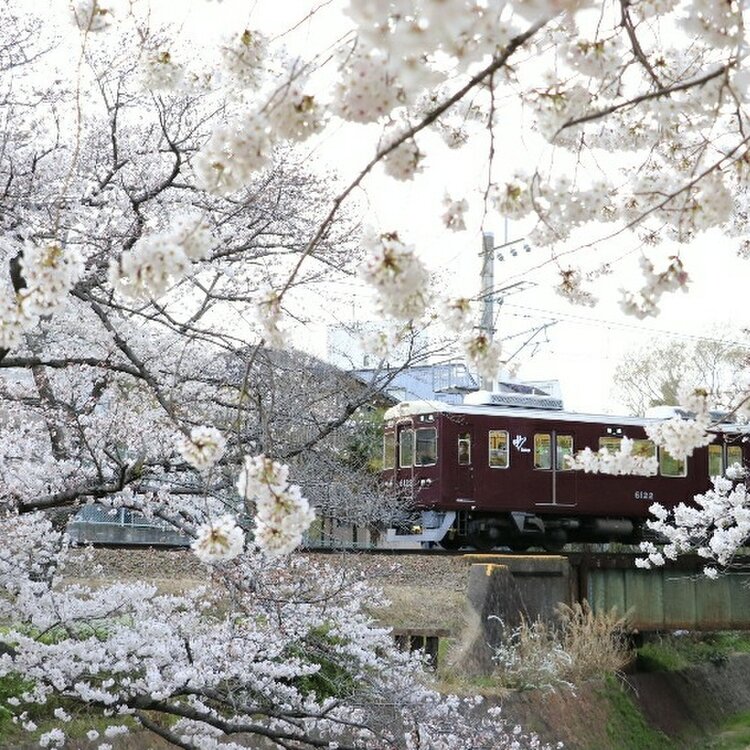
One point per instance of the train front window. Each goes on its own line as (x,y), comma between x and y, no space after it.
(715,460)
(498,448)
(564,445)
(542,451)
(464,449)
(425,440)
(389,450)
(670,466)
(734,455)
(406,448)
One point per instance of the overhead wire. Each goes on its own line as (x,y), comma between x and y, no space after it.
(601,322)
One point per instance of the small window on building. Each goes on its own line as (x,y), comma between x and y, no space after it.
(406,448)
(425,440)
(389,450)
(542,451)
(734,455)
(644,449)
(670,466)
(612,444)
(564,448)
(464,449)
(716,460)
(498,449)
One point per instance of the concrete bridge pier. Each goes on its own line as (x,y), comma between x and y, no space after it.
(505,590)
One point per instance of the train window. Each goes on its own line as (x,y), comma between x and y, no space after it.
(734,455)
(405,448)
(612,444)
(464,449)
(499,454)
(564,447)
(389,450)
(542,451)
(425,442)
(644,448)
(715,460)
(670,466)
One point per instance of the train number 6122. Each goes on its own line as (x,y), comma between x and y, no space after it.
(643,495)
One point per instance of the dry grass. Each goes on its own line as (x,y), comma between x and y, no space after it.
(580,646)
(596,643)
(422,607)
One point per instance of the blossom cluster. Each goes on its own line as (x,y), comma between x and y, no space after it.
(161,259)
(571,287)
(269,317)
(237,150)
(680,435)
(366,91)
(645,303)
(398,275)
(454,215)
(457,314)
(282,514)
(404,160)
(243,56)
(620,462)
(159,72)
(203,448)
(512,198)
(233,154)
(49,272)
(483,353)
(219,540)
(92,15)
(715,526)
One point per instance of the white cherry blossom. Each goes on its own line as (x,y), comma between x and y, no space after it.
(620,462)
(483,354)
(244,56)
(203,448)
(454,216)
(282,514)
(398,275)
(218,541)
(159,72)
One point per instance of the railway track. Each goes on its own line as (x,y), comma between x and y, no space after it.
(586,559)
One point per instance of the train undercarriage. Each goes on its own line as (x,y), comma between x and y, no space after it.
(516,530)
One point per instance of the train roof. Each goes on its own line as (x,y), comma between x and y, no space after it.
(413,408)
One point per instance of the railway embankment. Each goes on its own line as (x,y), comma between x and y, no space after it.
(667,710)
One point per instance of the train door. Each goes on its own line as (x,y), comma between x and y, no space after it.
(405,458)
(463,460)
(550,452)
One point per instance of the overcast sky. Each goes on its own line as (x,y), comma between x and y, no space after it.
(585,343)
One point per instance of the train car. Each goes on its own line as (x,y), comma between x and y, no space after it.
(493,472)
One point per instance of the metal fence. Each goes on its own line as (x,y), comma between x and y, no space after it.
(121,526)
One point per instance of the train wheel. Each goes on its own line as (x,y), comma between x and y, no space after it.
(519,546)
(451,543)
(553,546)
(481,543)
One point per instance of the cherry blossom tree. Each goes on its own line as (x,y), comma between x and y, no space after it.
(652,375)
(159,220)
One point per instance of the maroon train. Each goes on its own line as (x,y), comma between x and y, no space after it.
(494,473)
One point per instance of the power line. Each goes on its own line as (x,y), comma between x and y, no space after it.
(615,324)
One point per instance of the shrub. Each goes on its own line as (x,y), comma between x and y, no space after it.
(580,645)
